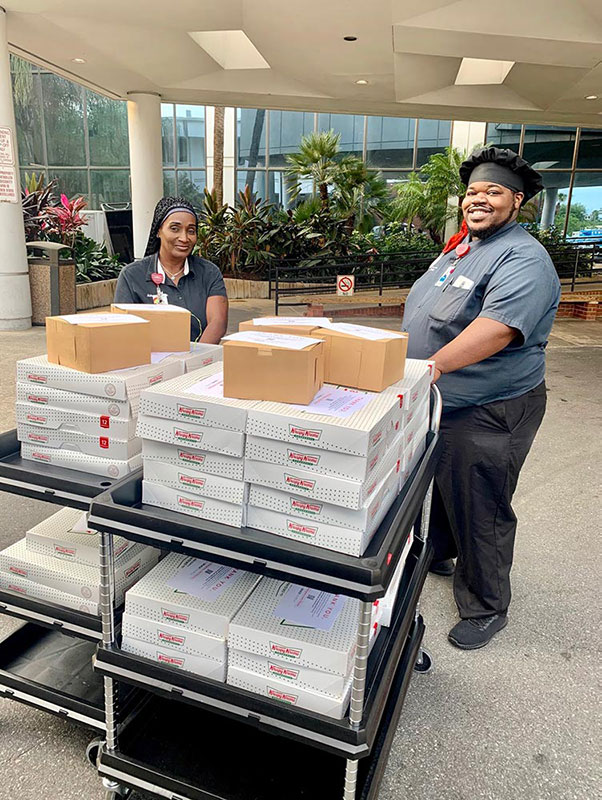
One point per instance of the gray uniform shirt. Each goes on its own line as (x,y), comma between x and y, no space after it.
(203,280)
(509,278)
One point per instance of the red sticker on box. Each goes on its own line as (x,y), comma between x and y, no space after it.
(104,442)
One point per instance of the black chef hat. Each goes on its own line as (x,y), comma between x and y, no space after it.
(504,167)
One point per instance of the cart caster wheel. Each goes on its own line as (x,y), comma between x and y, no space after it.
(114,790)
(93,751)
(424,662)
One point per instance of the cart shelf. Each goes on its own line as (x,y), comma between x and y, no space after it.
(203,756)
(323,732)
(121,511)
(65,487)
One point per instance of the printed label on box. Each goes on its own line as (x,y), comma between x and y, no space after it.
(187,436)
(171,639)
(172,661)
(310,607)
(307,531)
(300,484)
(175,616)
(303,458)
(331,401)
(212,386)
(188,503)
(196,458)
(282,651)
(191,413)
(283,672)
(193,482)
(284,697)
(305,508)
(204,580)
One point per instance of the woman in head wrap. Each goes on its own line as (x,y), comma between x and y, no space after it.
(169,273)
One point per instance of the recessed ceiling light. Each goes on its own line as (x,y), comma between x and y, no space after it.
(361,82)
(78,60)
(482,71)
(350,38)
(591,97)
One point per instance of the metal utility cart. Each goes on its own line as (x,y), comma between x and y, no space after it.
(47,661)
(224,743)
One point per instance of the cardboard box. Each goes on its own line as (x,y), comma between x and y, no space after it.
(172,637)
(23,587)
(188,480)
(155,600)
(283,692)
(76,579)
(123,385)
(169,325)
(364,520)
(200,355)
(87,443)
(365,358)
(205,667)
(293,326)
(55,537)
(256,629)
(196,460)
(329,488)
(386,604)
(63,419)
(73,459)
(98,342)
(154,494)
(191,435)
(198,399)
(47,397)
(272,366)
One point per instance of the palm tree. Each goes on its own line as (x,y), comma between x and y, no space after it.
(315,162)
(218,154)
(359,193)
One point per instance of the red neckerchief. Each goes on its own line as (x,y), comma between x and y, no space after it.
(457,238)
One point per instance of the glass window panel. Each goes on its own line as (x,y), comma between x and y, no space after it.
(590,149)
(393,179)
(548,208)
(390,142)
(549,147)
(351,129)
(503,134)
(286,130)
(27,99)
(585,213)
(169,183)
(167,137)
(107,131)
(70,181)
(190,132)
(64,118)
(250,136)
(109,186)
(279,190)
(255,179)
(433,137)
(191,185)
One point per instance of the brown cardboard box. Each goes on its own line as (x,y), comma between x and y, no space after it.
(293,328)
(369,364)
(262,371)
(169,325)
(97,342)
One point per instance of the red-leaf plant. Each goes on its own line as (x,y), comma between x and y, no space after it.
(65,219)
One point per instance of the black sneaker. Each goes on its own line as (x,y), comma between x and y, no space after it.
(470,634)
(445,567)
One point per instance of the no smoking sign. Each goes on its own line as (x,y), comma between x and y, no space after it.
(345,284)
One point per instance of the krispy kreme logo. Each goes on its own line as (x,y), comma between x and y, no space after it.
(38,399)
(303,530)
(187,436)
(304,434)
(171,638)
(374,462)
(14,588)
(175,616)
(37,437)
(306,508)
(196,458)
(41,456)
(283,672)
(155,379)
(377,437)
(282,651)
(36,419)
(18,571)
(189,480)
(303,458)
(187,503)
(207,361)
(284,697)
(191,413)
(415,394)
(171,660)
(134,568)
(299,483)
(37,378)
(60,551)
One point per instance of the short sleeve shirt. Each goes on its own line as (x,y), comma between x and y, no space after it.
(509,278)
(202,281)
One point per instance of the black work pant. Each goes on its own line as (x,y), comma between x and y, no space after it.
(472,516)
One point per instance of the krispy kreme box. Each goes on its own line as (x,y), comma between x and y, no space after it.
(124,384)
(48,397)
(172,637)
(23,587)
(386,604)
(57,419)
(200,355)
(259,628)
(204,667)
(103,444)
(197,399)
(66,536)
(73,459)
(80,580)
(415,384)
(201,461)
(181,478)
(191,436)
(189,502)
(208,612)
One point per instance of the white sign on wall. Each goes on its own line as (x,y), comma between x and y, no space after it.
(9,188)
(7,152)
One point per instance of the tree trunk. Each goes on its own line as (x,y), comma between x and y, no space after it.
(218,154)
(324,194)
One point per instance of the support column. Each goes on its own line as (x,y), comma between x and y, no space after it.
(15,297)
(229,156)
(146,162)
(465,137)
(550,198)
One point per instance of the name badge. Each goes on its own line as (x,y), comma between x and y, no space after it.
(462,282)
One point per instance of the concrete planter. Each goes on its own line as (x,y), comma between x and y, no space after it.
(96,294)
